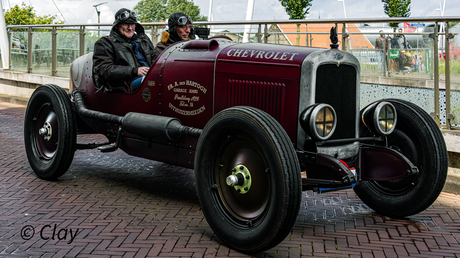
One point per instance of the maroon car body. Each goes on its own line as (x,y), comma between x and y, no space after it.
(249,118)
(194,80)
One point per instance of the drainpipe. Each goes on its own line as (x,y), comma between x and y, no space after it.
(436,76)
(449,115)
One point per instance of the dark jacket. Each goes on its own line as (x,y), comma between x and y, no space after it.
(380,43)
(399,42)
(114,62)
(165,41)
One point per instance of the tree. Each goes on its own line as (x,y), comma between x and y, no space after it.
(151,10)
(296,9)
(24,14)
(396,8)
(159,10)
(452,24)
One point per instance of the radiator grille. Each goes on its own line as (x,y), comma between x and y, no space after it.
(336,86)
(267,96)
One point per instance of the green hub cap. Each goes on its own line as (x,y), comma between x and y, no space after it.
(240,179)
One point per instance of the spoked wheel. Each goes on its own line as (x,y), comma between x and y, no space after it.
(49,131)
(419,139)
(247,179)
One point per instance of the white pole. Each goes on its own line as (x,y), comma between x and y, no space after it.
(210,13)
(444,8)
(344,11)
(4,40)
(249,13)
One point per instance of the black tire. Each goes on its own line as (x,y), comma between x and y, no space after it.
(418,138)
(264,216)
(50,155)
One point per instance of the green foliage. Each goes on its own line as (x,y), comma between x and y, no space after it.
(396,8)
(296,9)
(187,7)
(24,15)
(452,24)
(151,10)
(159,10)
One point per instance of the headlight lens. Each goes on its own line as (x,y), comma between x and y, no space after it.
(387,118)
(319,121)
(380,117)
(324,121)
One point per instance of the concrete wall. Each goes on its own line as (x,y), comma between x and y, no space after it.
(415,90)
(17,87)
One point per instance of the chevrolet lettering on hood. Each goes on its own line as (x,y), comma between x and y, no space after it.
(260,54)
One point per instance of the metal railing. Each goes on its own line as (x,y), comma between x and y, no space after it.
(50,49)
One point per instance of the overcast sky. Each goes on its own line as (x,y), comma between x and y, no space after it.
(83,12)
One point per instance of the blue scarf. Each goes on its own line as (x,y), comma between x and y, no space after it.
(140,58)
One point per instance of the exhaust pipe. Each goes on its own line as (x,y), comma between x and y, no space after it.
(141,124)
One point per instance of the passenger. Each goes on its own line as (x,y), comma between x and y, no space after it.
(179,25)
(122,58)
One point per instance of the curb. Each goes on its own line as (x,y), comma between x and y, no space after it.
(14,100)
(452,184)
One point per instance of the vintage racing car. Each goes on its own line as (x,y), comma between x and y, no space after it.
(250,119)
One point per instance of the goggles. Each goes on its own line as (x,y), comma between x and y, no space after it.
(125,15)
(183,20)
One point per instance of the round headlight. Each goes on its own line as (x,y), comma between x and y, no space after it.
(380,117)
(319,121)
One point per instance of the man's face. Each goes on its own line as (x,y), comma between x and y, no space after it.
(127,30)
(400,31)
(381,34)
(183,31)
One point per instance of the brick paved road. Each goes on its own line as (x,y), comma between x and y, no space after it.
(120,206)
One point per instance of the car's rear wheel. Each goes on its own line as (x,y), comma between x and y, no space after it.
(418,138)
(49,131)
(247,145)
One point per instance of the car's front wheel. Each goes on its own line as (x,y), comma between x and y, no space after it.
(247,179)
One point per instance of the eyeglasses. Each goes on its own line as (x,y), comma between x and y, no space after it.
(125,15)
(129,25)
(185,27)
(183,20)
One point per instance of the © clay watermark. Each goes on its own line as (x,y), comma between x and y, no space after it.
(49,232)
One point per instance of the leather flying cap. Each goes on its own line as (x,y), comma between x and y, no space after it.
(125,16)
(178,18)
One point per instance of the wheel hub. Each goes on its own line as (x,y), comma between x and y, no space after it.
(46,131)
(240,179)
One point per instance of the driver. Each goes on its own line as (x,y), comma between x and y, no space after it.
(179,26)
(122,58)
